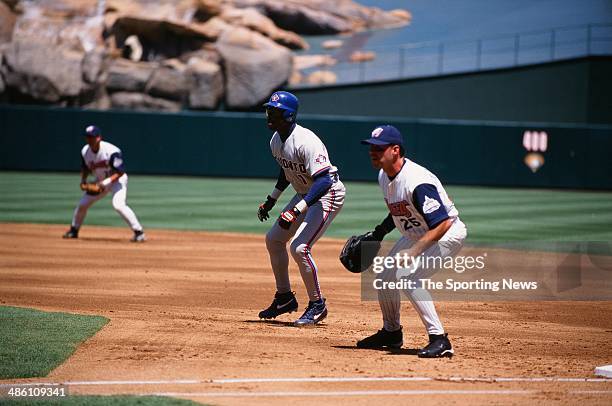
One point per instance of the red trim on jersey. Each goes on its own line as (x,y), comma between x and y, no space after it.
(319,171)
(306,251)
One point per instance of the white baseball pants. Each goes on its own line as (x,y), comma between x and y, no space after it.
(389,299)
(119,192)
(306,230)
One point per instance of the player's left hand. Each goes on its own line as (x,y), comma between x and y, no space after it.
(288,217)
(264,209)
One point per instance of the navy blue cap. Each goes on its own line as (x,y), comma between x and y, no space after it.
(92,131)
(385,135)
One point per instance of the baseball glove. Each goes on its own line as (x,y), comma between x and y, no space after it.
(91,188)
(357,256)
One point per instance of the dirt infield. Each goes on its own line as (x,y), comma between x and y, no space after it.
(183,310)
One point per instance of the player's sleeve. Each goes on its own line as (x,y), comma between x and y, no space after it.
(116,163)
(428,202)
(84,166)
(322,182)
(381,173)
(281,181)
(316,159)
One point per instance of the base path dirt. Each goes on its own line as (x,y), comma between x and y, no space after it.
(183,321)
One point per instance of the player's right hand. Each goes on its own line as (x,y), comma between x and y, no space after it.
(264,209)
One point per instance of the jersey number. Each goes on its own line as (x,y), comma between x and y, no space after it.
(302,178)
(409,222)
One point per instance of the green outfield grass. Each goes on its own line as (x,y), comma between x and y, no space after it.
(32,342)
(213,204)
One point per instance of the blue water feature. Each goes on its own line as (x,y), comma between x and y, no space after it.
(450,36)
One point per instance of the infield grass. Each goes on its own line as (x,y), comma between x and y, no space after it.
(102,401)
(214,204)
(32,343)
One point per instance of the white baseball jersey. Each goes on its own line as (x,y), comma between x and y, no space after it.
(302,156)
(105,162)
(416,199)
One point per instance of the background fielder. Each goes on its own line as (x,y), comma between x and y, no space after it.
(305,165)
(429,223)
(105,162)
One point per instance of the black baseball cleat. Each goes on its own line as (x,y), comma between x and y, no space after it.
(439,346)
(314,313)
(382,339)
(72,233)
(139,236)
(282,303)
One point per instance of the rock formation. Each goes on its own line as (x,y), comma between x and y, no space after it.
(165,55)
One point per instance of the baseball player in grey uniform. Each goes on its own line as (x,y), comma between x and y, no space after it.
(428,220)
(105,162)
(305,164)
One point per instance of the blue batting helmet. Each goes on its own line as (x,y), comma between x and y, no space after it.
(92,131)
(285,101)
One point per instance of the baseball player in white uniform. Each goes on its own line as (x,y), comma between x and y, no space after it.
(105,162)
(430,226)
(305,164)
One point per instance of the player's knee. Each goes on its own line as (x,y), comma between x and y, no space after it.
(83,206)
(299,250)
(119,206)
(272,240)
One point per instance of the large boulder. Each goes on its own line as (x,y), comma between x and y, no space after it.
(128,76)
(179,53)
(251,18)
(141,101)
(325,17)
(255,66)
(163,39)
(71,24)
(305,20)
(168,82)
(207,84)
(44,73)
(95,66)
(206,9)
(7,23)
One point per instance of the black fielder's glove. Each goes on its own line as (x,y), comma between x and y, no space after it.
(357,256)
(264,208)
(288,217)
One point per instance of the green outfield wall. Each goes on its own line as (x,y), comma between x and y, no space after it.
(570,91)
(236,145)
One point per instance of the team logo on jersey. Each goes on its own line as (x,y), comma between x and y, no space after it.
(294,166)
(376,133)
(99,164)
(430,205)
(399,208)
(321,159)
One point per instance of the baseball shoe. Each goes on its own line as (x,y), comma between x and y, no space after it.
(72,233)
(282,303)
(139,236)
(315,312)
(439,346)
(383,338)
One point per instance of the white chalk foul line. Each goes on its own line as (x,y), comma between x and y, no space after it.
(324,379)
(312,379)
(347,393)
